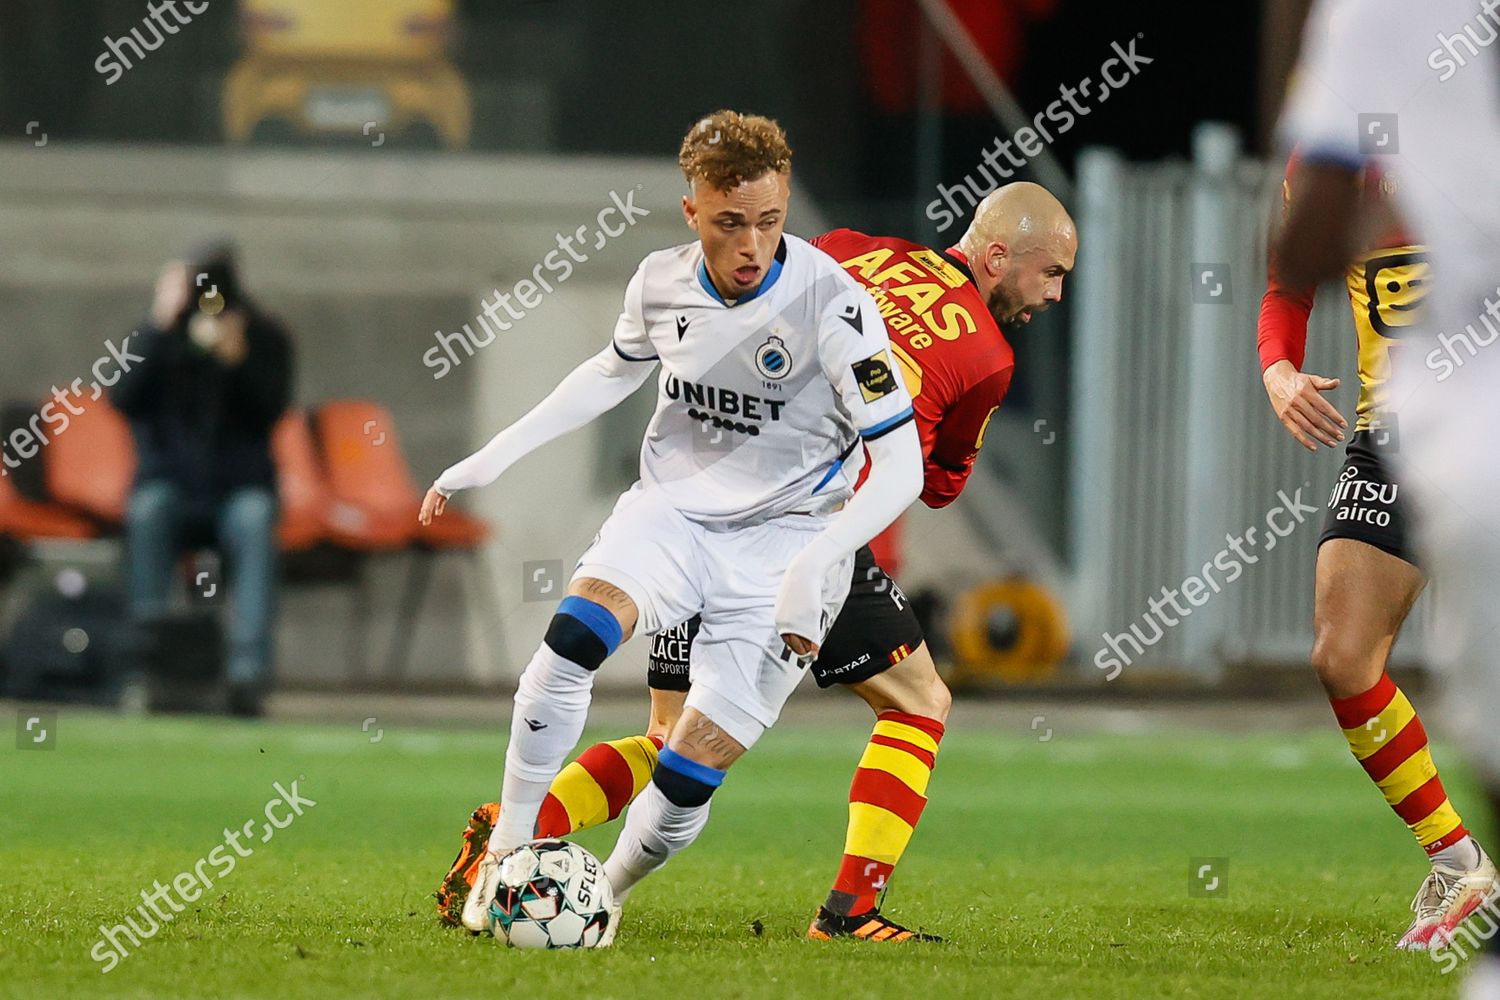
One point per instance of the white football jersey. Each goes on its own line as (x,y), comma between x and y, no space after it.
(762,402)
(1415,89)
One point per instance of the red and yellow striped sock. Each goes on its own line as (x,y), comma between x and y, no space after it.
(1389,742)
(885,803)
(598,786)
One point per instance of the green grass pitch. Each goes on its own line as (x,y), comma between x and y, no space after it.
(1057,868)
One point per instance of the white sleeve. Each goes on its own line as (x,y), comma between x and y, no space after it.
(594,387)
(1354,76)
(855,354)
(854,349)
(894,483)
(631,341)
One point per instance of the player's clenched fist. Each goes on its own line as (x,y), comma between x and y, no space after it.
(1298,401)
(799,645)
(799,600)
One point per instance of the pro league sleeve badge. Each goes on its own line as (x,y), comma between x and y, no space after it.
(874,376)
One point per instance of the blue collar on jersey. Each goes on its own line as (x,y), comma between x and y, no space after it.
(772,274)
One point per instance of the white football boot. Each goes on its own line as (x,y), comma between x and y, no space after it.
(1478,888)
(1447,897)
(476,915)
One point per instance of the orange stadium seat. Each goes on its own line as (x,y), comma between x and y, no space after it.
(305,500)
(454,530)
(374,504)
(27,520)
(376,500)
(90,465)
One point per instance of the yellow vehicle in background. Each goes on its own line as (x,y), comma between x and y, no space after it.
(346,68)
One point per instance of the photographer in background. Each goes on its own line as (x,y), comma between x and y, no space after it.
(216,377)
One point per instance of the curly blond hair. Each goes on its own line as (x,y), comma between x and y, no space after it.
(727,148)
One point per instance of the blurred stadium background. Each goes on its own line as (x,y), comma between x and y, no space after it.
(384,166)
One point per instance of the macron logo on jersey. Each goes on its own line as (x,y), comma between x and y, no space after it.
(851,315)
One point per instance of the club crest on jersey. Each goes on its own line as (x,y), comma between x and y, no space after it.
(773,360)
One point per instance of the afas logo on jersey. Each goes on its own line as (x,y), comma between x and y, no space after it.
(875,378)
(910,294)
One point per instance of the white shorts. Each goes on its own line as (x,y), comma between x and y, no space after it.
(673,568)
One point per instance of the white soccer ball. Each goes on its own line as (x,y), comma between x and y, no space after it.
(552,894)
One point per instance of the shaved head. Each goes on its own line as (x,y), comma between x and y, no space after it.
(1020,244)
(1020,215)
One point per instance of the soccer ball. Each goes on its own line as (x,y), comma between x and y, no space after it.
(552,894)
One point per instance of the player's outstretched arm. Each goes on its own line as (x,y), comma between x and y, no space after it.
(1298,402)
(593,388)
(894,484)
(1281,340)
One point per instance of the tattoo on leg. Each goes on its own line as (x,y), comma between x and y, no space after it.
(611,597)
(702,734)
(602,593)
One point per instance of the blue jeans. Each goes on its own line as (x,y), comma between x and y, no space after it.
(160,523)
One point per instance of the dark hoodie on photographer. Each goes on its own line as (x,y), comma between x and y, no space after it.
(198,424)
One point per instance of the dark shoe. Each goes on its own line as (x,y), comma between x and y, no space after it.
(868,926)
(454,889)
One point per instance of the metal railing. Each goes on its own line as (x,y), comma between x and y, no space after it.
(1174,444)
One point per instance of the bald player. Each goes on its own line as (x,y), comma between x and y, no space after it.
(944,314)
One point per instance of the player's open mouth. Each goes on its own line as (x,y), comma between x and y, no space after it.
(746,275)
